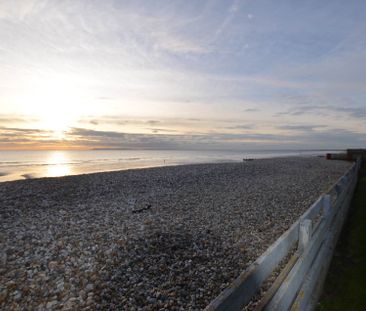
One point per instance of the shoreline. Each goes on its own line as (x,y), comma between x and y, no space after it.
(150,238)
(38,164)
(28,176)
(32,177)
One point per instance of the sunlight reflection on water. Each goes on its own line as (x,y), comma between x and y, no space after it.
(58,164)
(44,163)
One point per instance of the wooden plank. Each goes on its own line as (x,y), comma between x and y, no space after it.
(277,283)
(313,210)
(240,292)
(311,288)
(284,297)
(289,288)
(327,205)
(312,278)
(312,303)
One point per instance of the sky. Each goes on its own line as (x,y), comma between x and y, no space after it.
(216,74)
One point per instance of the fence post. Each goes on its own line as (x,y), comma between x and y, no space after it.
(305,231)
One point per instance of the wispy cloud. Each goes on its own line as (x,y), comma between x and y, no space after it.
(13,119)
(219,72)
(241,127)
(300,127)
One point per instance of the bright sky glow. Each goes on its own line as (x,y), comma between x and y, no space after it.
(58,164)
(182,74)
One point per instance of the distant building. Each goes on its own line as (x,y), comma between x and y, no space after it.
(350,155)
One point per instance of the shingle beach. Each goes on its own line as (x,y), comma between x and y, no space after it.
(167,238)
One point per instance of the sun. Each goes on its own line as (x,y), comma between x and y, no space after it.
(54,104)
(57,118)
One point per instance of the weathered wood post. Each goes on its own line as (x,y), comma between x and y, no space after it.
(305,231)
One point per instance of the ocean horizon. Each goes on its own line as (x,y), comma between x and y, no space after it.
(16,165)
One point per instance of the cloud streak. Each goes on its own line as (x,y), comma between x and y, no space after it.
(221,73)
(292,137)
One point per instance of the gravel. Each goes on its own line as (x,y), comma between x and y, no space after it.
(168,238)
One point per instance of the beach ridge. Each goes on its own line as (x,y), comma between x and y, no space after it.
(148,238)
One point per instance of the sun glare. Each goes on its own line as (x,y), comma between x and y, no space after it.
(58,164)
(56,105)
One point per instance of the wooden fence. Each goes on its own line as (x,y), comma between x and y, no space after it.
(309,245)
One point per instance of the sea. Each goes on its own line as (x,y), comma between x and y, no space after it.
(16,165)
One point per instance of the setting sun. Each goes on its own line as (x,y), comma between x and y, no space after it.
(55,104)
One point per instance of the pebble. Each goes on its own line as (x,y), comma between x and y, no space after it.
(17,295)
(51,304)
(75,243)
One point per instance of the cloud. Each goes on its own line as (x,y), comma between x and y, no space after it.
(112,139)
(316,106)
(335,138)
(15,138)
(355,112)
(241,127)
(162,130)
(300,127)
(185,70)
(153,122)
(103,120)
(11,119)
(297,136)
(88,133)
(16,131)
(229,17)
(251,110)
(173,43)
(16,119)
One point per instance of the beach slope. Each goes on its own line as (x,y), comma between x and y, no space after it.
(159,238)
